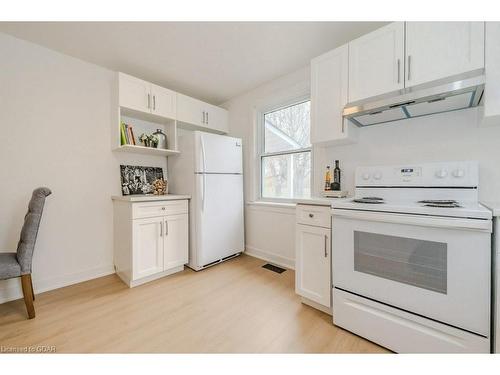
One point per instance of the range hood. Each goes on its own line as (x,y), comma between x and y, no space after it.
(446,95)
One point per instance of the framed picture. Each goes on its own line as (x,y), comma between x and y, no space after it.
(139,180)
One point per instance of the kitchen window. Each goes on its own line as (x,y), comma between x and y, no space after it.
(285,152)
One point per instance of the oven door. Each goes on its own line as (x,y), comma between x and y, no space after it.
(436,267)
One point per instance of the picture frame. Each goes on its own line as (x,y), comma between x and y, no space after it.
(138,180)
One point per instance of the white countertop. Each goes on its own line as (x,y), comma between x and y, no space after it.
(149,197)
(493,206)
(322,201)
(466,209)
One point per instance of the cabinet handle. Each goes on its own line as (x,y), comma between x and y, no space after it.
(343,125)
(149,101)
(311,215)
(409,67)
(326,246)
(203,118)
(166,228)
(207,119)
(399,70)
(161,230)
(154,102)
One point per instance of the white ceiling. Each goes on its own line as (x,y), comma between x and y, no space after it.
(213,61)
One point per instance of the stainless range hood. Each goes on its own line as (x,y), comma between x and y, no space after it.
(445,95)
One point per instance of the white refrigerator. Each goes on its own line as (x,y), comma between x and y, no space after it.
(209,168)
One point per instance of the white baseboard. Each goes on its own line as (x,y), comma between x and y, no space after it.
(270,257)
(11,289)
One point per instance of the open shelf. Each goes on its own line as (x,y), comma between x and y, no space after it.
(146,150)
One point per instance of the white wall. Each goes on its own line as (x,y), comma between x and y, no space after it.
(449,136)
(55,118)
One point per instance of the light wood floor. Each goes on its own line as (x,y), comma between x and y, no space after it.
(236,306)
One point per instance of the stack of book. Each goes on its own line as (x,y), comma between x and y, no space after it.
(126,134)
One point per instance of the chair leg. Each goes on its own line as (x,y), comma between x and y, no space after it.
(32,290)
(28,295)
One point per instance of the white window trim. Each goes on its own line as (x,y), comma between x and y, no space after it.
(259,145)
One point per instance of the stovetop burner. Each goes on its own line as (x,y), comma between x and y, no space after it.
(370,200)
(443,203)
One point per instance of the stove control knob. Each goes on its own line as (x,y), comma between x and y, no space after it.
(458,173)
(366,176)
(377,175)
(441,173)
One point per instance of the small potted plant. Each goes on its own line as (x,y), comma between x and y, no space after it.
(153,141)
(144,139)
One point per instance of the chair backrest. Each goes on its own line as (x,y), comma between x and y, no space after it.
(29,232)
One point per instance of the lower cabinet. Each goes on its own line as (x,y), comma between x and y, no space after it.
(175,241)
(151,239)
(147,249)
(313,257)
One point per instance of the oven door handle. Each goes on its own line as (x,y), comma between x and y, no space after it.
(419,220)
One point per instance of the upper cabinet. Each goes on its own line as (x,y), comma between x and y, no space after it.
(376,62)
(198,114)
(163,102)
(491,110)
(143,96)
(217,119)
(147,98)
(190,110)
(329,94)
(391,58)
(134,93)
(436,50)
(396,57)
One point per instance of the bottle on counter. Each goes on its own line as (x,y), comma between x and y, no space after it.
(336,177)
(328,178)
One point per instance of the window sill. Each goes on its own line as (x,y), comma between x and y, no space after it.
(315,201)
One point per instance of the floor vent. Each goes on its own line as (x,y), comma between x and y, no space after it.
(273,268)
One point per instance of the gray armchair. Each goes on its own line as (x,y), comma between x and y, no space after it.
(18,264)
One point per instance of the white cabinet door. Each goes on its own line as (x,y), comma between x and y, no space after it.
(176,250)
(329,88)
(312,269)
(437,50)
(376,62)
(202,115)
(147,246)
(216,119)
(492,70)
(134,93)
(163,102)
(190,110)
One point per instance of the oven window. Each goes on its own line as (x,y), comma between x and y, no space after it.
(406,260)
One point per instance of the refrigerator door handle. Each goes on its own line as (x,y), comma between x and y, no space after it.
(204,175)
(202,153)
(203,196)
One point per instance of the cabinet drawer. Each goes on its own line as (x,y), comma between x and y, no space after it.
(318,216)
(399,330)
(160,208)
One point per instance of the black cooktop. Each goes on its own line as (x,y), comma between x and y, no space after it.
(369,200)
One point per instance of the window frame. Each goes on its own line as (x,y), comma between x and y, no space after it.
(261,154)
